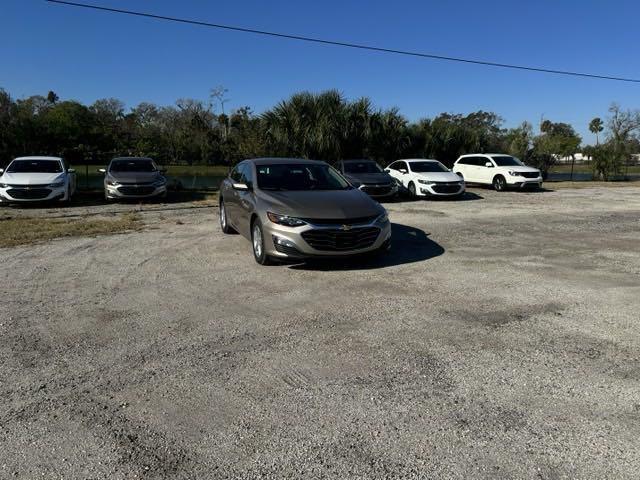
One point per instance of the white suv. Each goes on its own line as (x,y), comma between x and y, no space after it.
(501,171)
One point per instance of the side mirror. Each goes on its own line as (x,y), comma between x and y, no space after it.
(71,170)
(242,187)
(403,171)
(102,170)
(386,170)
(489,165)
(1,171)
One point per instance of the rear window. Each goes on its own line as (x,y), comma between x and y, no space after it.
(35,166)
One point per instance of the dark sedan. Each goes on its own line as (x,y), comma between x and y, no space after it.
(369,177)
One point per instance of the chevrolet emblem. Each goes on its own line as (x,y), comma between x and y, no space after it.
(346,227)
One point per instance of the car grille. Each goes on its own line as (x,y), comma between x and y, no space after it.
(29,194)
(446,187)
(340,221)
(336,240)
(136,190)
(530,174)
(377,189)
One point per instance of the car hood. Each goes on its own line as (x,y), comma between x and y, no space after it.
(439,176)
(32,178)
(522,168)
(368,178)
(322,204)
(134,177)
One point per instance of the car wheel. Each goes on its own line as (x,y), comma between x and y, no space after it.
(257,242)
(499,183)
(224,222)
(412,190)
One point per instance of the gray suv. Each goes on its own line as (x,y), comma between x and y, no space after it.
(297,209)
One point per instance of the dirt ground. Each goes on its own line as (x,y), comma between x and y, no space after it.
(499,339)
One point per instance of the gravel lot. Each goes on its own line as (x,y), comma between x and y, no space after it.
(499,339)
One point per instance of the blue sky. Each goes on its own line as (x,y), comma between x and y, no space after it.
(87,55)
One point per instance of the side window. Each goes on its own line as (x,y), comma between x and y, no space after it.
(403,166)
(465,161)
(393,166)
(483,161)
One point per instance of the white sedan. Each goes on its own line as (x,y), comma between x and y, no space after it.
(423,177)
(37,179)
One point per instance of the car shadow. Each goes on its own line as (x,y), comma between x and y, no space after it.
(465,197)
(408,245)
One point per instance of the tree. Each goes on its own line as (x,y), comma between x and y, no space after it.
(595,127)
(556,140)
(52,97)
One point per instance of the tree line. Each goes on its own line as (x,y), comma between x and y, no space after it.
(323,126)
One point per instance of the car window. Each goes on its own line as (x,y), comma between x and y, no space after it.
(35,166)
(482,161)
(235,174)
(300,177)
(426,167)
(361,167)
(393,166)
(402,166)
(246,175)
(507,161)
(133,165)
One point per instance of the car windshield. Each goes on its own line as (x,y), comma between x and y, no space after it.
(423,167)
(303,176)
(132,166)
(362,167)
(35,166)
(506,161)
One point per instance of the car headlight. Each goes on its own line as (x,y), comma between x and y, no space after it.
(285,220)
(3,185)
(424,182)
(383,218)
(56,185)
(514,174)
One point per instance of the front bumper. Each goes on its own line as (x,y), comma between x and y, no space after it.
(329,240)
(522,182)
(32,194)
(134,191)
(441,189)
(379,190)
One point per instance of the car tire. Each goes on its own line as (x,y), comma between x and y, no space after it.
(222,217)
(257,244)
(412,190)
(499,183)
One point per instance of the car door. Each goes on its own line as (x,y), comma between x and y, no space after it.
(485,174)
(246,198)
(403,173)
(231,196)
(392,170)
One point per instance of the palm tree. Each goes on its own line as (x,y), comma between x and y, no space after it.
(596,126)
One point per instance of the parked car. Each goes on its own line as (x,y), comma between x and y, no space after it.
(424,177)
(37,179)
(501,171)
(296,209)
(369,177)
(133,177)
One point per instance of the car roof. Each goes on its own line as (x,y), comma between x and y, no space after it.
(39,158)
(131,158)
(486,155)
(281,161)
(411,160)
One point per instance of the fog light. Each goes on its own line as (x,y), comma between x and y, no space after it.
(283,241)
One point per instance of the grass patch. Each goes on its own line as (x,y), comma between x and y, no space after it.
(24,231)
